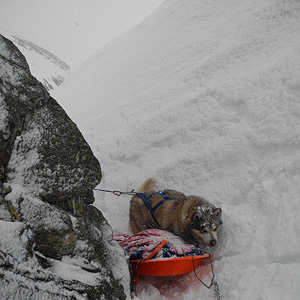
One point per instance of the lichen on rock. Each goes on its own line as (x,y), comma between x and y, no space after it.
(47,174)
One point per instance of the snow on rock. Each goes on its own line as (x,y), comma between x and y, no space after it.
(53,243)
(205,96)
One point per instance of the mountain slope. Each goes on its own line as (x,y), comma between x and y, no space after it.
(205,97)
(45,66)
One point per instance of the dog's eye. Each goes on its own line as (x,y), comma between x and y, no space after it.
(204,231)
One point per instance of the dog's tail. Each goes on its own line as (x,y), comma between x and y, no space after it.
(148,185)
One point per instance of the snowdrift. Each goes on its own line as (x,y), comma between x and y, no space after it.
(205,97)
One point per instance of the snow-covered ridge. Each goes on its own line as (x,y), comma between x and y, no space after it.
(45,66)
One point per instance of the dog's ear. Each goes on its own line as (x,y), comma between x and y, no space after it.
(218,212)
(197,219)
(196,216)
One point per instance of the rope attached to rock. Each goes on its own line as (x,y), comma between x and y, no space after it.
(118,193)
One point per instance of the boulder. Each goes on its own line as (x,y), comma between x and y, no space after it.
(54,243)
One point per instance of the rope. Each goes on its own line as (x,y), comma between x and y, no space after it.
(213,281)
(118,193)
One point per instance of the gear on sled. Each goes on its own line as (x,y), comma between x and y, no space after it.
(156,252)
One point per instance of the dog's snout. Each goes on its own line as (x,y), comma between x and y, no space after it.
(213,243)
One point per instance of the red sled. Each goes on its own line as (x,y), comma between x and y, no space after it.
(167,266)
(184,258)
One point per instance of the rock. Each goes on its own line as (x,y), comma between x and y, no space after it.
(54,243)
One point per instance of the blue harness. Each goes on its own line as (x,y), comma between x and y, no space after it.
(152,210)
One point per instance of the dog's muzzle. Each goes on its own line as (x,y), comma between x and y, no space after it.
(213,243)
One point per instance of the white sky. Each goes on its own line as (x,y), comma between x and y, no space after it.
(73,29)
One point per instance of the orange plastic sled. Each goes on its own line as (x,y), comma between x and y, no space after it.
(165,266)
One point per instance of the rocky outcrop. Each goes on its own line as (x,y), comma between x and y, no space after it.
(53,243)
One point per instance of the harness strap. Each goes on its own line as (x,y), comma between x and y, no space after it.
(156,250)
(152,210)
(162,202)
(148,206)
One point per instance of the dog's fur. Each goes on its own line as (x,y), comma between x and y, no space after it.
(192,218)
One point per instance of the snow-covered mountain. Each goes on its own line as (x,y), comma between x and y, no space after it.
(45,66)
(205,96)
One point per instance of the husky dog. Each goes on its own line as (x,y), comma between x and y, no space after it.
(190,217)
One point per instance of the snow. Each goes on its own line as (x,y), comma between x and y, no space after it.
(49,69)
(205,97)
(3,116)
(70,272)
(13,236)
(45,66)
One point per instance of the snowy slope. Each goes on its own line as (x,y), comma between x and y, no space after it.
(205,97)
(45,66)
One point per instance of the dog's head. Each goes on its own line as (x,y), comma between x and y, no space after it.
(206,222)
